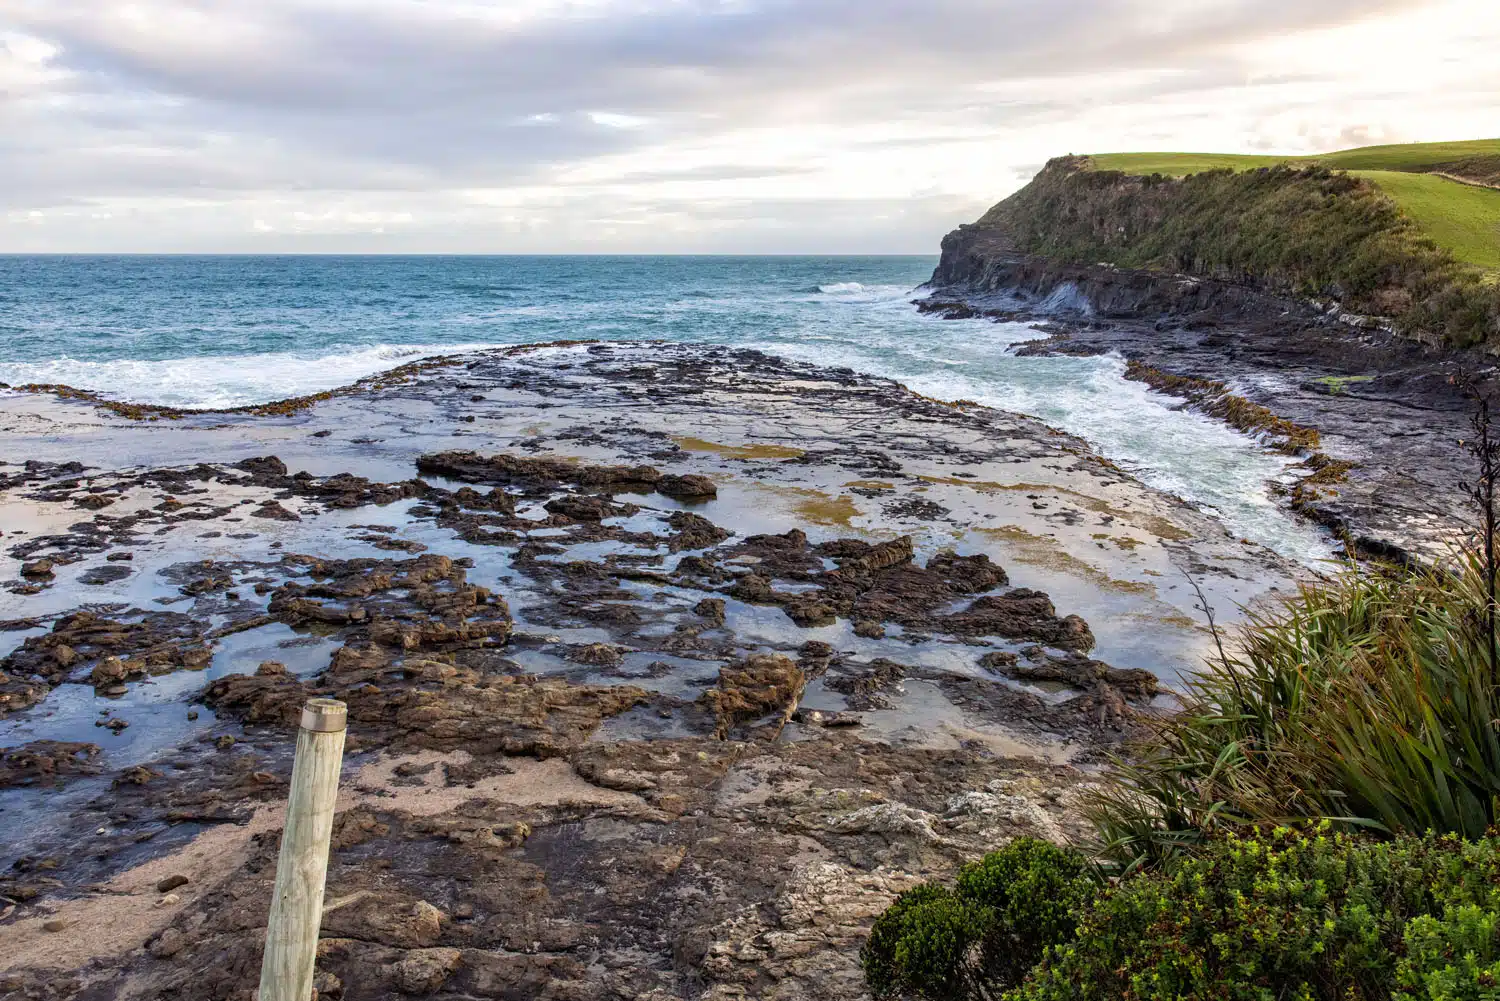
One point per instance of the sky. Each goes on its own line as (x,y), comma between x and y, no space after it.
(668,126)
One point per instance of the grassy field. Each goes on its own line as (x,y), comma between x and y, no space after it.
(1464,218)
(1461,217)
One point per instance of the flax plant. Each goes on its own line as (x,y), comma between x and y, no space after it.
(1367,700)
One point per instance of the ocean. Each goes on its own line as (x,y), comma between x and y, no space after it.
(218,331)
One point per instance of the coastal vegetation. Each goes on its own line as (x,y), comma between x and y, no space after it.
(1285,914)
(1399,242)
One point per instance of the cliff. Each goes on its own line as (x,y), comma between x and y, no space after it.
(1282,237)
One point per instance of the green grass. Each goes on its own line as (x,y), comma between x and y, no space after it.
(1464,218)
(1461,217)
(1182,164)
(1409,156)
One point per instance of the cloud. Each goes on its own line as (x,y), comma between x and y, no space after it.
(468,125)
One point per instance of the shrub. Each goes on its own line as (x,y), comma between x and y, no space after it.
(922,945)
(982,937)
(1034,890)
(1297,916)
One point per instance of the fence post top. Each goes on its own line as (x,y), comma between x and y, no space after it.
(324,716)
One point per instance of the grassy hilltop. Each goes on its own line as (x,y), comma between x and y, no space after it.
(1410,233)
(1450,190)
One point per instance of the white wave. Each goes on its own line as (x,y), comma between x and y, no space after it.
(215,381)
(842,288)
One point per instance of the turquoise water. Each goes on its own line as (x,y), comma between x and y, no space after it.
(223,331)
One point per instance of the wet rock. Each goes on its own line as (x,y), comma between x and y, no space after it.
(601,654)
(825,717)
(711,609)
(273,511)
(917,509)
(326,984)
(863,684)
(94,502)
(37,569)
(1078,671)
(472,467)
(1002,661)
(110,670)
(138,775)
(582,507)
(98,576)
(1022,614)
(753,688)
(266,468)
(886,554)
(121,557)
(754,589)
(423,971)
(693,531)
(809,611)
(694,863)
(355,827)
(869,629)
(689,487)
(496,500)
(46,762)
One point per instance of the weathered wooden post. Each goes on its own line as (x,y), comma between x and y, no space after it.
(286,972)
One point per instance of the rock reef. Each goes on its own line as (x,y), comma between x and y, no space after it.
(632,713)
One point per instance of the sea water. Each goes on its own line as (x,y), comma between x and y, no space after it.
(218,331)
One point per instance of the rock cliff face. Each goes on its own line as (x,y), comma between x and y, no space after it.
(1066,243)
(984,263)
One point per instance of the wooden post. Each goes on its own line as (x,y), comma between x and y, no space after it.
(286,972)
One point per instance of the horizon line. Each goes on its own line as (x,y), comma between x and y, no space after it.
(438,253)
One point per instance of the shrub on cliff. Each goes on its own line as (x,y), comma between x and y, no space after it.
(1296,916)
(982,937)
(1305,231)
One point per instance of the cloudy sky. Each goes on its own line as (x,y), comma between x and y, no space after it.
(521,126)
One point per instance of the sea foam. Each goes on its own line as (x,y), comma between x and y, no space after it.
(218,381)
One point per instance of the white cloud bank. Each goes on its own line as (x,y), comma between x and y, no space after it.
(521,126)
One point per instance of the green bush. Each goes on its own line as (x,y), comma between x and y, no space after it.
(1297,916)
(922,945)
(1034,890)
(977,940)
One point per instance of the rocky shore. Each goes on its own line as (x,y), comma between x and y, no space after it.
(667,668)
(1386,412)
